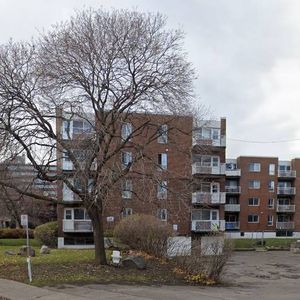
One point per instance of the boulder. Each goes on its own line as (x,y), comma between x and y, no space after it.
(45,250)
(23,251)
(136,262)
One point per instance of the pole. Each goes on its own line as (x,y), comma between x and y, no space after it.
(28,255)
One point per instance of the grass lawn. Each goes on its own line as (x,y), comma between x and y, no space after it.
(77,266)
(270,242)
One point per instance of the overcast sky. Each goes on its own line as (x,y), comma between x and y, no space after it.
(246,54)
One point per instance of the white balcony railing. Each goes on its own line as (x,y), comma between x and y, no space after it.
(234,173)
(68,165)
(201,140)
(208,226)
(232,207)
(286,190)
(285,208)
(233,189)
(77,226)
(287,174)
(232,225)
(198,168)
(208,198)
(285,225)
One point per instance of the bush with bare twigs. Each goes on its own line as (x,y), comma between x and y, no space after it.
(145,233)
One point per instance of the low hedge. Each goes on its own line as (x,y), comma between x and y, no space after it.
(47,234)
(14,233)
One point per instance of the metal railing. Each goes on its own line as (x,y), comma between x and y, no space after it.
(208,226)
(286,190)
(233,189)
(291,173)
(232,207)
(285,225)
(286,208)
(235,173)
(77,226)
(232,225)
(208,198)
(205,141)
(198,168)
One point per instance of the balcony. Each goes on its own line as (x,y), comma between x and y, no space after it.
(287,174)
(68,165)
(285,225)
(208,226)
(208,198)
(77,226)
(205,141)
(286,208)
(233,173)
(233,189)
(198,168)
(232,207)
(286,191)
(232,225)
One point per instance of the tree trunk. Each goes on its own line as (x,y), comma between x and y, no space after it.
(100,255)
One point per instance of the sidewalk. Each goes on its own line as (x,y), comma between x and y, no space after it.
(18,291)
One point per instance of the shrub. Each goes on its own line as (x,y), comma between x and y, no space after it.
(14,233)
(206,263)
(47,234)
(144,233)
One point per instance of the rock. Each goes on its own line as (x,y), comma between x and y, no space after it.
(10,252)
(137,262)
(45,250)
(23,251)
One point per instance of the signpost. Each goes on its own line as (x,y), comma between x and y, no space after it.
(24,223)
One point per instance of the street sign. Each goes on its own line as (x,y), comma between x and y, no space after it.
(24,220)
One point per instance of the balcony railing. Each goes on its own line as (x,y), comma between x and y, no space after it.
(208,226)
(287,174)
(285,208)
(232,207)
(68,166)
(208,198)
(233,189)
(233,173)
(77,226)
(204,141)
(285,225)
(232,225)
(198,168)
(286,190)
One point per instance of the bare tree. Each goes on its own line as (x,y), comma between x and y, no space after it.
(106,69)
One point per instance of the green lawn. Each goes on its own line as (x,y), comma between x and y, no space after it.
(270,242)
(76,266)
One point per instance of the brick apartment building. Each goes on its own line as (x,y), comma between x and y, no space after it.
(261,197)
(167,194)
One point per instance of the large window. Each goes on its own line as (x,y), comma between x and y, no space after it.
(162,134)
(76,214)
(162,190)
(163,161)
(126,131)
(253,201)
(205,215)
(271,185)
(208,133)
(254,167)
(162,214)
(253,219)
(271,169)
(127,189)
(270,220)
(254,184)
(81,126)
(127,212)
(270,203)
(126,158)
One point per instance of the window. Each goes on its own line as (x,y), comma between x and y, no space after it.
(284,202)
(271,185)
(162,134)
(67,129)
(127,189)
(253,219)
(270,220)
(205,187)
(254,184)
(81,126)
(208,161)
(271,169)
(68,214)
(127,212)
(163,160)
(126,159)
(270,203)
(162,190)
(205,214)
(126,131)
(215,187)
(253,201)
(162,214)
(254,167)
